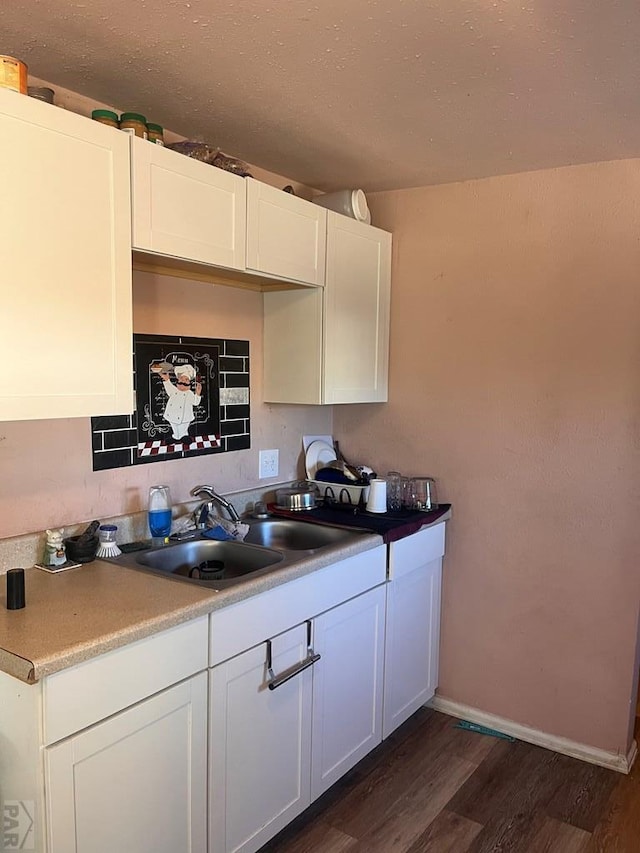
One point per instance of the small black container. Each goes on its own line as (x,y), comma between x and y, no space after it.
(81,549)
(15,589)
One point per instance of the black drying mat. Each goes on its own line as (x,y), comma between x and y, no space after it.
(390,525)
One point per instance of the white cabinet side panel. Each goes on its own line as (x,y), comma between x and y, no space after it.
(293,346)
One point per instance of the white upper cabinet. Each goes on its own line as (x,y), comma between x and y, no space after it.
(331,345)
(65,250)
(356,322)
(286,236)
(186,209)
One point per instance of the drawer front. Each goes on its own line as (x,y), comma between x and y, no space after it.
(80,696)
(243,625)
(417,550)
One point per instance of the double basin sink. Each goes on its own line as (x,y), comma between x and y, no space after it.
(270,544)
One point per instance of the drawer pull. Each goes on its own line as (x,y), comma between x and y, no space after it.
(292,671)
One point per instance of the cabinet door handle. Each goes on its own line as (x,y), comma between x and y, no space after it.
(292,671)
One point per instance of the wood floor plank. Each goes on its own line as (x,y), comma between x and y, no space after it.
(557,837)
(583,791)
(619,828)
(423,755)
(315,837)
(509,832)
(402,820)
(514,778)
(472,746)
(449,833)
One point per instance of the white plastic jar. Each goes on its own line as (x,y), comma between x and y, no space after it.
(351,203)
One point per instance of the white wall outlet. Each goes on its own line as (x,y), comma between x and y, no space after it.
(268,463)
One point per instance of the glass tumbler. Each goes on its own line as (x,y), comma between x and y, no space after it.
(423,493)
(407,497)
(159,513)
(394,491)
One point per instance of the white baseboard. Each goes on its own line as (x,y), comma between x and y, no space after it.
(611,760)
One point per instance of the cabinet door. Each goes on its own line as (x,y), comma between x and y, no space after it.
(356,321)
(65,247)
(286,236)
(183,208)
(136,781)
(347,687)
(413,642)
(331,345)
(259,771)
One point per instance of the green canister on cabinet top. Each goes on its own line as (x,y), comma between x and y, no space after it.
(134,123)
(155,133)
(105,117)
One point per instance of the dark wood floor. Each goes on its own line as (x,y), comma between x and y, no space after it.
(432,788)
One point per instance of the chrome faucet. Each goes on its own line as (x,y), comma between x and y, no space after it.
(214,497)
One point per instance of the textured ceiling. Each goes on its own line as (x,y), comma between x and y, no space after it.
(356,93)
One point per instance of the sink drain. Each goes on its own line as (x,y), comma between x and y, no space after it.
(208,570)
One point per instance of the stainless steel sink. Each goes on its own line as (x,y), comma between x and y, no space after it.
(292,535)
(205,561)
(271,544)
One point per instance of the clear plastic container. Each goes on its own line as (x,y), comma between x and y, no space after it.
(159,515)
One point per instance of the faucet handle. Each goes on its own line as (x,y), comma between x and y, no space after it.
(196,490)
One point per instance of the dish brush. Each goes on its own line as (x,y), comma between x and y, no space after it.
(108,549)
(108,546)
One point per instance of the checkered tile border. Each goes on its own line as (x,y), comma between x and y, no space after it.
(157,448)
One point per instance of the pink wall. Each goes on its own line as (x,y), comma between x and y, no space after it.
(515,381)
(45,466)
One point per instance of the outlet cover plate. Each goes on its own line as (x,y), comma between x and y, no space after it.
(268,463)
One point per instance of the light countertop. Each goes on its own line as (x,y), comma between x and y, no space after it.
(80,613)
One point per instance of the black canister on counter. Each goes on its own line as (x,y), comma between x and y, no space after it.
(15,589)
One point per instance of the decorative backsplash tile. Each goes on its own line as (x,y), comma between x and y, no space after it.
(192,398)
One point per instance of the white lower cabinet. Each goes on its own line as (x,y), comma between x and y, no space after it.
(111,754)
(412,624)
(260,757)
(347,687)
(273,751)
(136,781)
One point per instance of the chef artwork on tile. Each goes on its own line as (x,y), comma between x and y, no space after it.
(178,396)
(192,399)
